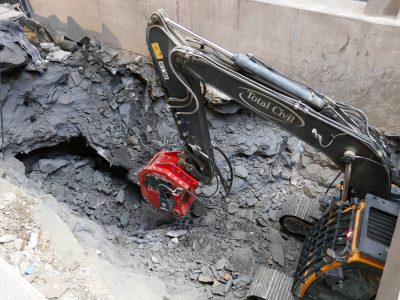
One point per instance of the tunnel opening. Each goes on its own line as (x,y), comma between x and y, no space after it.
(75,146)
(74,173)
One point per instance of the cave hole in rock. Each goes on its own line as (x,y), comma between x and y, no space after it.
(74,173)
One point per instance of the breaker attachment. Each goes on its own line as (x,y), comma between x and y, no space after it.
(166,186)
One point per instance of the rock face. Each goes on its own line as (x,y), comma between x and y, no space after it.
(80,97)
(15,47)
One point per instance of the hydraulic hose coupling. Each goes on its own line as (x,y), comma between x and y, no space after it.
(349,156)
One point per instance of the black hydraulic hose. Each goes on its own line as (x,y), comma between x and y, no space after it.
(228,190)
(333,181)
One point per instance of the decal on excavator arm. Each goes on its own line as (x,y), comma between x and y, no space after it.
(270,108)
(163,70)
(157,50)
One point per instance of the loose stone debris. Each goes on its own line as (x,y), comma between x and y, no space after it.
(83,119)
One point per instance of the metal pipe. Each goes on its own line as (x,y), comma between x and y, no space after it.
(346,184)
(305,94)
(243,61)
(198,37)
(348,157)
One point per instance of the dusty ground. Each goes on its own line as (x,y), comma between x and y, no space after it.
(75,134)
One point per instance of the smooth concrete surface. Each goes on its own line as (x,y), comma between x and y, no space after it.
(330,45)
(389,288)
(14,286)
(120,23)
(383,7)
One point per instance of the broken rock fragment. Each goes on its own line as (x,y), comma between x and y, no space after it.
(68,45)
(241,171)
(218,290)
(232,208)
(278,254)
(242,280)
(176,233)
(220,264)
(121,196)
(124,218)
(251,201)
(206,279)
(57,55)
(276,247)
(51,165)
(124,111)
(11,57)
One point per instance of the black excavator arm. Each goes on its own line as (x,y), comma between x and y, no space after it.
(338,242)
(340,131)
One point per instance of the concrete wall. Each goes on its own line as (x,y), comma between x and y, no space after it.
(333,47)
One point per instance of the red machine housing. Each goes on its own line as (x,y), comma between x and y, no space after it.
(160,177)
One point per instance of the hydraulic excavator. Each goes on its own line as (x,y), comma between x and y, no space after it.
(345,249)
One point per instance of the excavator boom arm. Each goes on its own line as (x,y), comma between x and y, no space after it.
(313,118)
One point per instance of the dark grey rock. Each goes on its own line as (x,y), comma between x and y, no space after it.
(242,280)
(124,111)
(164,130)
(261,222)
(86,173)
(51,165)
(229,225)
(210,218)
(209,190)
(241,171)
(278,254)
(157,247)
(118,88)
(274,236)
(177,233)
(239,234)
(232,208)
(12,57)
(228,285)
(83,162)
(120,197)
(122,239)
(124,218)
(220,264)
(76,78)
(251,201)
(238,185)
(133,140)
(67,45)
(272,215)
(98,177)
(296,147)
(56,35)
(269,146)
(290,257)
(65,98)
(218,290)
